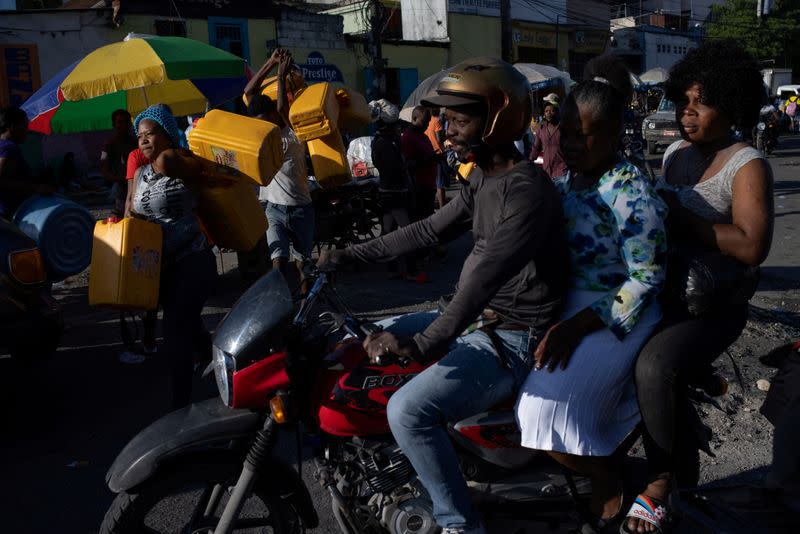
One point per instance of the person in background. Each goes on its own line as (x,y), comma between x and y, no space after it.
(435,133)
(16,182)
(579,403)
(287,199)
(792,109)
(162,195)
(422,162)
(114,157)
(720,197)
(548,140)
(394,182)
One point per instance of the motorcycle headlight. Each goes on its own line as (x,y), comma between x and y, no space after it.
(762,126)
(223,372)
(651,125)
(27,266)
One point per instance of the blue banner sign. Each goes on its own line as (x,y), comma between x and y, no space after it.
(316,70)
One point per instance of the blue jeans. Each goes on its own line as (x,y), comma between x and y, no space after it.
(291,231)
(468,380)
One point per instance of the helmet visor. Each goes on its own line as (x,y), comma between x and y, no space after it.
(450,100)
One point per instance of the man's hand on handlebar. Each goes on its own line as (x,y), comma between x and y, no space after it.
(333,259)
(382,345)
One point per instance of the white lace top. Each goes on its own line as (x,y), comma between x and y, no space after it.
(711,199)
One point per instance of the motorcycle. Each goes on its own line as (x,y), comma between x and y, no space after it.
(766,135)
(212,463)
(632,146)
(31,322)
(346,215)
(209,466)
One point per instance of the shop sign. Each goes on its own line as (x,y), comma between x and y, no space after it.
(589,42)
(534,38)
(19,73)
(487,8)
(316,70)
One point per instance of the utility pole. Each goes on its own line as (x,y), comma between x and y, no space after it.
(373,50)
(506,49)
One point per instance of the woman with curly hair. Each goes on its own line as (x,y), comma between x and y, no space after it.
(719,193)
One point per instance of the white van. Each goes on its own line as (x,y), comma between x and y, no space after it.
(785,91)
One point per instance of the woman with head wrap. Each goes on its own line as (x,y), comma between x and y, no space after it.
(161,194)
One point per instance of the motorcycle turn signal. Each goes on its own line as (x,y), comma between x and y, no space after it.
(277,407)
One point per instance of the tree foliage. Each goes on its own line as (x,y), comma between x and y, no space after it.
(765,39)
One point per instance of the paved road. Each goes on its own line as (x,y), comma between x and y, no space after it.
(65,419)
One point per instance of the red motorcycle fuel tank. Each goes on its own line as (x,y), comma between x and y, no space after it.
(353,394)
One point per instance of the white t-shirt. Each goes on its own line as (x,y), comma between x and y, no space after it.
(289,187)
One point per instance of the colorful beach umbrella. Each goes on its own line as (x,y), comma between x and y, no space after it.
(185,74)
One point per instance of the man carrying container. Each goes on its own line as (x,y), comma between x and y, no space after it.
(287,198)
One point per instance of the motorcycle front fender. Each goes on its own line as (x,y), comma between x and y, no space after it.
(199,428)
(204,424)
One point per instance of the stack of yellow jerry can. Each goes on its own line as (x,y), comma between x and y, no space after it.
(317,116)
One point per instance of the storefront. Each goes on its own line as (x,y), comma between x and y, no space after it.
(536,43)
(584,45)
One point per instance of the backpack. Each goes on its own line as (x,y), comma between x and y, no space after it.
(791,109)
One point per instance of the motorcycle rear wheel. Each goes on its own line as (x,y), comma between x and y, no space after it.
(175,499)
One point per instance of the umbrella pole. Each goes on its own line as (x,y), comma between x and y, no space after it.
(144,96)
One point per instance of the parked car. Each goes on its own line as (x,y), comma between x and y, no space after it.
(661,128)
(31,321)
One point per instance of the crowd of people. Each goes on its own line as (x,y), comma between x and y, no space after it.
(571,298)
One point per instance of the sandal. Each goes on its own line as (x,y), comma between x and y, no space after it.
(650,510)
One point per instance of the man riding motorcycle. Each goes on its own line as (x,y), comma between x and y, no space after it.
(509,291)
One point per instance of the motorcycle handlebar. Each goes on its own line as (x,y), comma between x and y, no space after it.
(350,324)
(383,360)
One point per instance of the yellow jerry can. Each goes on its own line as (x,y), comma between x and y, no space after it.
(329,160)
(294,86)
(315,112)
(353,110)
(232,216)
(243,145)
(126,264)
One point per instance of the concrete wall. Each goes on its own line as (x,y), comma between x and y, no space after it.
(427,60)
(260,32)
(472,36)
(61,38)
(196,29)
(298,29)
(671,49)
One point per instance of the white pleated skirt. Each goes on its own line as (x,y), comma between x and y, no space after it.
(589,408)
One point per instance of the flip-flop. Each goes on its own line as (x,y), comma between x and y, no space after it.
(649,510)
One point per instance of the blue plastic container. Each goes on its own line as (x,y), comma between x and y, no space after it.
(63,231)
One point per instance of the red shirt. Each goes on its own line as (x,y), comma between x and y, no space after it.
(135,160)
(549,145)
(419,153)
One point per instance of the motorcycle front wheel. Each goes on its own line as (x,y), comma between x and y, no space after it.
(188,498)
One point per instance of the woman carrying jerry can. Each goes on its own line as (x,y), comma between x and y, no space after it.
(188,271)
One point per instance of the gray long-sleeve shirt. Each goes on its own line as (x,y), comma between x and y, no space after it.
(519,264)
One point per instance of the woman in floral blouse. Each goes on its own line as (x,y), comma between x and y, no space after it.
(585,406)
